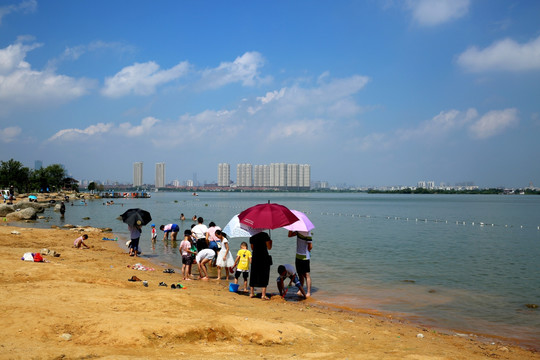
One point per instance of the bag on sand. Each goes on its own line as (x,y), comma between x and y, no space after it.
(38,257)
(28,257)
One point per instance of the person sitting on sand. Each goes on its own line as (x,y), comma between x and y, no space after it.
(170,228)
(204,257)
(287,271)
(79,242)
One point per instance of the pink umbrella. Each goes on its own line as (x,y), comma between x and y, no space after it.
(303,224)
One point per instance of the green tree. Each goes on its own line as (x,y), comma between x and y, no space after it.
(92,186)
(12,172)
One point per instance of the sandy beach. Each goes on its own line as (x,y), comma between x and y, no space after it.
(81,305)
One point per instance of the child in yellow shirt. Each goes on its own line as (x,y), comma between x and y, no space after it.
(243,259)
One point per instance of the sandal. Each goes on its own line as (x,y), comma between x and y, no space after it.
(265,298)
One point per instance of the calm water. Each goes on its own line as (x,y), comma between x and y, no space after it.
(462,262)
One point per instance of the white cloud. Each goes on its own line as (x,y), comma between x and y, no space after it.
(440,125)
(142,79)
(20,85)
(9,134)
(505,54)
(28,6)
(79,135)
(494,123)
(436,12)
(144,128)
(244,69)
(300,130)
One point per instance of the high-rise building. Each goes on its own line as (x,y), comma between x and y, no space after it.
(224,174)
(138,173)
(304,175)
(160,175)
(38,164)
(244,175)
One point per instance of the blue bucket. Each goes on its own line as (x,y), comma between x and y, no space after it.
(233,287)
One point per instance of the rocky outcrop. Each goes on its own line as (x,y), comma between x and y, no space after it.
(6,209)
(27,204)
(24,214)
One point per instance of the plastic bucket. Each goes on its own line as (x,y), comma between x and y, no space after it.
(233,287)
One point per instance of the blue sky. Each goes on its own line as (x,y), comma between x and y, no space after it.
(367,92)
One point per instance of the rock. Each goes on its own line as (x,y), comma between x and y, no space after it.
(14,232)
(27,204)
(532,306)
(25,214)
(86,218)
(106,229)
(6,209)
(420,336)
(69,226)
(66,336)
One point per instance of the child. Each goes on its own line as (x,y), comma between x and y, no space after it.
(243,259)
(79,242)
(224,258)
(204,257)
(153,234)
(287,271)
(185,250)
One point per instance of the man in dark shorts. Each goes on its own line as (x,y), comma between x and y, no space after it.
(303,256)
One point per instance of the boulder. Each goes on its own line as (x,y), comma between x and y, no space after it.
(24,214)
(27,204)
(6,209)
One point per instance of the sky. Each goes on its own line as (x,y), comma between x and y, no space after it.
(369,93)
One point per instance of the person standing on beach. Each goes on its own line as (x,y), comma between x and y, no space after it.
(170,228)
(260,263)
(199,232)
(224,258)
(135,234)
(187,252)
(243,259)
(303,256)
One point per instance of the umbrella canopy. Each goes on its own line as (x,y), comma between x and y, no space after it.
(267,216)
(303,224)
(236,229)
(132,216)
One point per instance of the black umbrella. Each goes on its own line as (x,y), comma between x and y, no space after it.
(133,216)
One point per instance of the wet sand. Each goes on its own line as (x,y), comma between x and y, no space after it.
(81,305)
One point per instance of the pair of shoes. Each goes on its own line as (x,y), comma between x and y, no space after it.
(134,278)
(177,286)
(168,271)
(162,284)
(265,298)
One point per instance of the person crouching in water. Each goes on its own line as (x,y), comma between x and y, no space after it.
(287,271)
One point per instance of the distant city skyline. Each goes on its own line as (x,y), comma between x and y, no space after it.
(369,93)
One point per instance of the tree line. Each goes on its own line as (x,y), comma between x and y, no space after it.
(25,180)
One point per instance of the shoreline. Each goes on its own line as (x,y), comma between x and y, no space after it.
(81,304)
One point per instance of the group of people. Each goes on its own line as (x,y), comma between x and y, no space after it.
(209,246)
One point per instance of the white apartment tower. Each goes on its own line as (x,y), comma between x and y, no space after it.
(160,175)
(244,175)
(224,174)
(138,173)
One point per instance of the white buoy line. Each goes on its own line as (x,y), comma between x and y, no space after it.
(366,216)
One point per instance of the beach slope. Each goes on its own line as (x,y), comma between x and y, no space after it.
(81,305)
